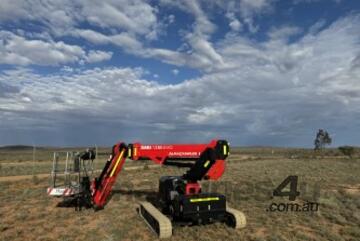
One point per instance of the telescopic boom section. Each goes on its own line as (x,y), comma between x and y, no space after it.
(209,158)
(159,153)
(102,185)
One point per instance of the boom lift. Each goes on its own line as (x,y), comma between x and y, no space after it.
(180,197)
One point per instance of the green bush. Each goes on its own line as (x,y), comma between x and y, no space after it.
(347,150)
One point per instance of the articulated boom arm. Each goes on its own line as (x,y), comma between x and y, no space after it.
(102,186)
(209,162)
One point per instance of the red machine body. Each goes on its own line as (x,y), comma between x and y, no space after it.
(160,152)
(206,166)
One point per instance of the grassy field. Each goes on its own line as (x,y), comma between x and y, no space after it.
(328,178)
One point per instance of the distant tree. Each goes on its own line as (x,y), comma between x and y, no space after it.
(322,138)
(347,150)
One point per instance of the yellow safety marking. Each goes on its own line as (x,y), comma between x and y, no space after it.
(207,163)
(204,199)
(224,149)
(117,163)
(135,151)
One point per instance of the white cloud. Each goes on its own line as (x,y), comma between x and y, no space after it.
(17,50)
(134,16)
(98,56)
(56,15)
(283,32)
(124,40)
(171,18)
(10,9)
(205,50)
(316,27)
(272,89)
(242,13)
(202,54)
(67,69)
(175,71)
(126,24)
(202,24)
(234,23)
(209,114)
(248,89)
(249,7)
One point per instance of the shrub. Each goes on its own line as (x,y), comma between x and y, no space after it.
(347,150)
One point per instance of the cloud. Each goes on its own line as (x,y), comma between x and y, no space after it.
(134,16)
(12,9)
(127,41)
(242,13)
(130,25)
(249,7)
(17,50)
(171,18)
(57,16)
(315,28)
(235,25)
(6,90)
(205,52)
(250,92)
(98,56)
(202,54)
(175,71)
(284,32)
(202,24)
(269,93)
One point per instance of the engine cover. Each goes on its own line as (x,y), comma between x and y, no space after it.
(195,208)
(200,208)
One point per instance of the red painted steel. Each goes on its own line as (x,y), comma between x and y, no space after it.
(158,153)
(117,161)
(192,188)
(216,171)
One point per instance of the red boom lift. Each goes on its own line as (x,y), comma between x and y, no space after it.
(180,198)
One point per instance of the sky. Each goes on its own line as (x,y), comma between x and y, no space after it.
(253,72)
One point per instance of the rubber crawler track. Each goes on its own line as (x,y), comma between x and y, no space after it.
(238,219)
(157,221)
